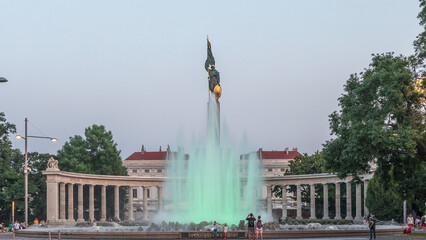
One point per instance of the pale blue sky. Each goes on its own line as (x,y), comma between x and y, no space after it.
(137,66)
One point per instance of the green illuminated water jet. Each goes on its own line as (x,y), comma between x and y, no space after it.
(214,184)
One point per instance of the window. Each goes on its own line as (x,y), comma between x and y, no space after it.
(134,170)
(146,170)
(282,170)
(269,169)
(135,193)
(147,193)
(159,170)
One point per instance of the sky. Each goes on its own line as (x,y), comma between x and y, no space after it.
(137,67)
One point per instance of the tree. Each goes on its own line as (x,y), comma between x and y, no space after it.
(11,180)
(95,153)
(381,121)
(383,201)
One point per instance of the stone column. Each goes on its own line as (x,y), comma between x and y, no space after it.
(325,211)
(103,203)
(131,218)
(358,202)
(145,203)
(312,207)
(117,202)
(80,217)
(338,213)
(62,202)
(365,197)
(299,202)
(91,202)
(160,198)
(71,203)
(52,201)
(348,201)
(284,197)
(269,199)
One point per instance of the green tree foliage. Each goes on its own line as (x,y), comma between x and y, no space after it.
(383,201)
(11,180)
(381,121)
(95,153)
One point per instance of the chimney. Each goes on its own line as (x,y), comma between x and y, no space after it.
(286,150)
(260,149)
(168,148)
(295,149)
(143,149)
(160,148)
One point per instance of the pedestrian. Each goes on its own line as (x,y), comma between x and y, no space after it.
(250,226)
(424,222)
(393,222)
(372,226)
(225,230)
(215,225)
(410,222)
(418,222)
(11,226)
(259,228)
(36,222)
(2,227)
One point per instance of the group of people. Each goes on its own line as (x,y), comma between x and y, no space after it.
(420,222)
(254,226)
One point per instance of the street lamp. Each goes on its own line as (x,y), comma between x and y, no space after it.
(2,79)
(26,165)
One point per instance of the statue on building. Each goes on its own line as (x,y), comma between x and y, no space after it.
(52,164)
(214,77)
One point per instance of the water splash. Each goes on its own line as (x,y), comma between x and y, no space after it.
(213,184)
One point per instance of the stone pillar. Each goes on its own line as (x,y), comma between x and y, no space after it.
(145,203)
(325,211)
(52,201)
(299,202)
(269,199)
(348,201)
(338,213)
(117,202)
(80,217)
(103,203)
(91,202)
(131,218)
(62,202)
(365,197)
(71,203)
(312,207)
(358,202)
(284,197)
(160,198)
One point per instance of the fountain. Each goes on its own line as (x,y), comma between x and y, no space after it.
(214,184)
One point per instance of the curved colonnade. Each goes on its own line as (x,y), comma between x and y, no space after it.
(58,212)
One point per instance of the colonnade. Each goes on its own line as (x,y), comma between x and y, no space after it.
(326,215)
(60,203)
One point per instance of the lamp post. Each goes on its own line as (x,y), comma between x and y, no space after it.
(26,165)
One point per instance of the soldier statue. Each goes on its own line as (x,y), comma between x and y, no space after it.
(214,77)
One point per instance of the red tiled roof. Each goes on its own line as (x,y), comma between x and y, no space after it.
(148,156)
(279,154)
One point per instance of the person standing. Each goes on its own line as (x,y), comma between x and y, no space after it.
(372,226)
(215,225)
(259,228)
(250,226)
(225,230)
(410,222)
